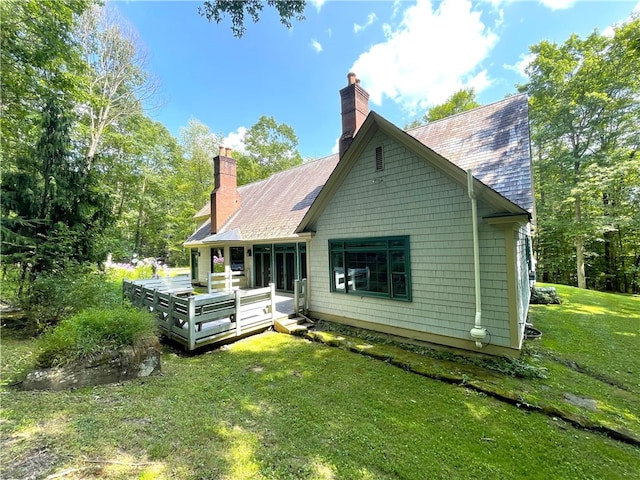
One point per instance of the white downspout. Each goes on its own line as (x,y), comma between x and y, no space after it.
(477,332)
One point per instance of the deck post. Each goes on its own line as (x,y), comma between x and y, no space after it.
(192,323)
(170,318)
(227,278)
(305,300)
(237,314)
(155,301)
(209,282)
(296,296)
(272,294)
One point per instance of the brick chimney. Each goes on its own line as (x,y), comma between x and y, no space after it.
(225,199)
(355,108)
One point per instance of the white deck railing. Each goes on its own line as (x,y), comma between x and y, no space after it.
(198,320)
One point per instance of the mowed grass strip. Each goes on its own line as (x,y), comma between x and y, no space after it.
(599,332)
(279,407)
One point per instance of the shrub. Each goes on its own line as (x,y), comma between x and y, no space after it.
(95,331)
(54,296)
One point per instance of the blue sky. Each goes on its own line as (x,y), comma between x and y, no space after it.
(409,56)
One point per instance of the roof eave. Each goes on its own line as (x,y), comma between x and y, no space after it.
(374,122)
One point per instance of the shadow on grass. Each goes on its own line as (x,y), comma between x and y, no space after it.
(273,406)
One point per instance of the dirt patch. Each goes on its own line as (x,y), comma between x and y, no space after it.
(33,465)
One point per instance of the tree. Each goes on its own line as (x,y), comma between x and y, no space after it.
(117,84)
(236,9)
(585,109)
(459,102)
(53,212)
(269,148)
(200,145)
(38,58)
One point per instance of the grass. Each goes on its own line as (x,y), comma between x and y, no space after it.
(279,407)
(95,331)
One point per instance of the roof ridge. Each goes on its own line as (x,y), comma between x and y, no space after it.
(467,112)
(281,172)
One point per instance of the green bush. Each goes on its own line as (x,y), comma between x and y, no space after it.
(95,331)
(54,296)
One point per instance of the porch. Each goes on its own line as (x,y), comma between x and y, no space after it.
(196,320)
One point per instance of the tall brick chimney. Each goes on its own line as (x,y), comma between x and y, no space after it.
(355,108)
(225,199)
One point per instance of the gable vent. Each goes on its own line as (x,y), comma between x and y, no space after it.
(379,159)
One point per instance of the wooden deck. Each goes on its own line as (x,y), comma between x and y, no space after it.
(198,320)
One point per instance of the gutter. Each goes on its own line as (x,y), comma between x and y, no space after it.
(477,332)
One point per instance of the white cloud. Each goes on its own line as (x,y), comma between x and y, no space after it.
(336,146)
(329,32)
(523,62)
(235,140)
(317,3)
(557,4)
(316,45)
(370,19)
(610,30)
(428,56)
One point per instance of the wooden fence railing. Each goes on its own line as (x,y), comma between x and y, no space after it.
(198,320)
(224,281)
(300,297)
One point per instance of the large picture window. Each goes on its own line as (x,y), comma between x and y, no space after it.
(375,267)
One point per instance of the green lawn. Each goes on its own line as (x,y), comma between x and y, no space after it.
(275,406)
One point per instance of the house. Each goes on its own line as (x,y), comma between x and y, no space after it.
(423,234)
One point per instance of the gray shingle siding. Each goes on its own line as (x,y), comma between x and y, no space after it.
(410,197)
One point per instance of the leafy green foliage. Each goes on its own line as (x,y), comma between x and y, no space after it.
(584,115)
(53,210)
(236,9)
(38,58)
(53,296)
(94,331)
(270,147)
(458,102)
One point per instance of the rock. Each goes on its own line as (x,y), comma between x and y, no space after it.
(588,403)
(544,296)
(109,367)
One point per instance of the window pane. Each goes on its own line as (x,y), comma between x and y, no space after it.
(368,244)
(237,259)
(367,271)
(398,262)
(338,279)
(399,285)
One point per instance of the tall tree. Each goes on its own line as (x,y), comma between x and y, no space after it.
(200,145)
(53,212)
(237,9)
(38,58)
(117,84)
(458,102)
(585,112)
(145,159)
(270,147)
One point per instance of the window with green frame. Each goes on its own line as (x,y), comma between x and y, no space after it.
(374,267)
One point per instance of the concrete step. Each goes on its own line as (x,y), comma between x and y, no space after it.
(291,326)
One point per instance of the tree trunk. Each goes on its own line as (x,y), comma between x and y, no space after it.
(138,240)
(582,283)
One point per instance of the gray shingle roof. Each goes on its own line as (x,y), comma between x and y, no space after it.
(273,208)
(492,141)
